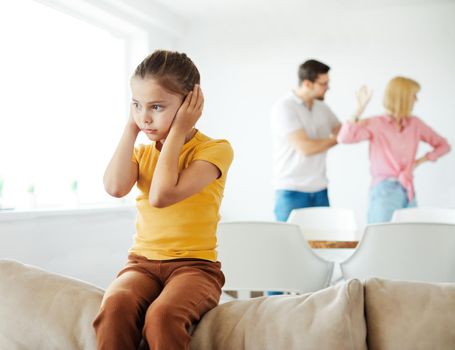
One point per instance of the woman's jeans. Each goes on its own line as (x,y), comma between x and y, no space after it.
(386,197)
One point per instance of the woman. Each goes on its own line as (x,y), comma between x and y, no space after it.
(394,139)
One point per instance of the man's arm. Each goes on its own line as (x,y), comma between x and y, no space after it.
(300,140)
(336,130)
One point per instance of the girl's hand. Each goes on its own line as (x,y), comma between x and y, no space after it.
(190,111)
(132,121)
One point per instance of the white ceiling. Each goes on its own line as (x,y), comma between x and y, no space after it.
(231,9)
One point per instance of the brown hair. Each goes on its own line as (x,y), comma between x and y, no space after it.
(174,71)
(398,97)
(311,69)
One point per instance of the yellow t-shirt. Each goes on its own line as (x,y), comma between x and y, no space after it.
(186,229)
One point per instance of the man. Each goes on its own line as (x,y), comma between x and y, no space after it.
(303,129)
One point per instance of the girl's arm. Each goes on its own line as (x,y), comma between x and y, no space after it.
(168,185)
(121,173)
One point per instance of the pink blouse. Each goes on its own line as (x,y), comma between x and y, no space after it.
(393,152)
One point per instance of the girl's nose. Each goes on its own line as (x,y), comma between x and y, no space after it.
(145,118)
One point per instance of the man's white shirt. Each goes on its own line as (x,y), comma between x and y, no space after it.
(292,169)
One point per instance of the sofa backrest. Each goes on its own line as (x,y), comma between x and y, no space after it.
(331,318)
(45,311)
(410,315)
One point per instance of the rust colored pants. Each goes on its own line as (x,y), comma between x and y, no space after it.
(157,300)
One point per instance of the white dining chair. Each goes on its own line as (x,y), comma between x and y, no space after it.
(404,251)
(325,223)
(437,215)
(264,256)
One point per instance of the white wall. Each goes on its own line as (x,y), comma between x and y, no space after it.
(246,64)
(88,244)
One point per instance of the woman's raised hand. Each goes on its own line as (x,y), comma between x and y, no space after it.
(363,96)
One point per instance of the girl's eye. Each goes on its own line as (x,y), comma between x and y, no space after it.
(136,105)
(157,108)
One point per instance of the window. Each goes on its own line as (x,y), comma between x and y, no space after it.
(63,91)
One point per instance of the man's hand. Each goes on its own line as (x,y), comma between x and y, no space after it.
(189,112)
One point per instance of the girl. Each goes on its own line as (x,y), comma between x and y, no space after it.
(394,138)
(172,276)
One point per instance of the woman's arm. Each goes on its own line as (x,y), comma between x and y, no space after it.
(355,130)
(168,185)
(121,173)
(439,143)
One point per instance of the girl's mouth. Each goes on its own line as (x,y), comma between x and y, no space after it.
(150,131)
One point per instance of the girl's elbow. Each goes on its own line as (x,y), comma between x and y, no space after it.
(160,201)
(156,203)
(115,191)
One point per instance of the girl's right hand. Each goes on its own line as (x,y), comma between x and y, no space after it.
(132,122)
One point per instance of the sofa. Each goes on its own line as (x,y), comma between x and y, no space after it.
(43,310)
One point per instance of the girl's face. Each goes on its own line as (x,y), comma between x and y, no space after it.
(153,107)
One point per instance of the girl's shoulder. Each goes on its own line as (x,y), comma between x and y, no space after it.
(204,141)
(218,148)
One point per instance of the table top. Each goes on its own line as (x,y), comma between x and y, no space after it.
(333,244)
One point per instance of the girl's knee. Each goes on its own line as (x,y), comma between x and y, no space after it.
(163,314)
(119,303)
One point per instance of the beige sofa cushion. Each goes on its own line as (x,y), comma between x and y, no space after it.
(332,318)
(41,310)
(410,315)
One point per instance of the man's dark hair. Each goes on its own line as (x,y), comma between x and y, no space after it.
(309,70)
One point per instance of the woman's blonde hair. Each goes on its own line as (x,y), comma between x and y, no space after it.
(399,95)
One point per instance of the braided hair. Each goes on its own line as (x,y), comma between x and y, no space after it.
(174,71)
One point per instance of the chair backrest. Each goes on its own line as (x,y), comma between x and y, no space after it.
(325,223)
(404,251)
(437,215)
(269,256)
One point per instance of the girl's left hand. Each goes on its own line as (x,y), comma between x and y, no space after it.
(190,111)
